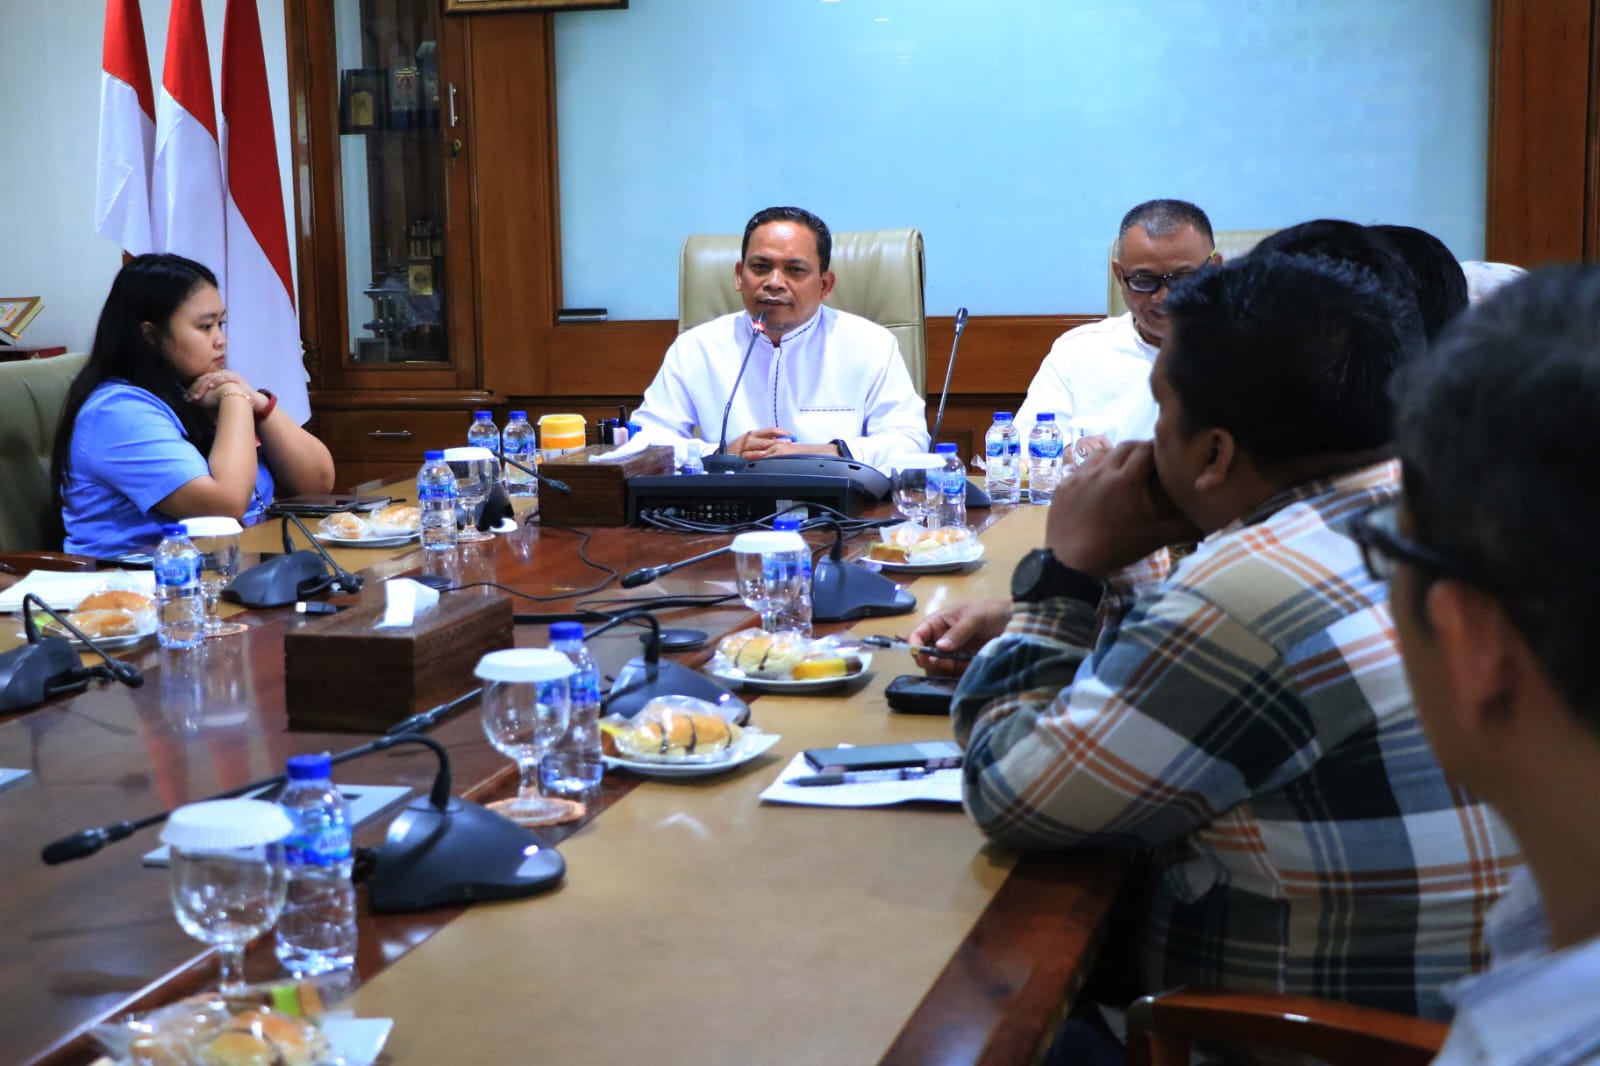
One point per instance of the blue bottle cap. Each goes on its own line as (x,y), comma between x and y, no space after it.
(1045,416)
(787,522)
(1002,416)
(562,631)
(945,449)
(483,414)
(434,456)
(174,530)
(520,414)
(310,767)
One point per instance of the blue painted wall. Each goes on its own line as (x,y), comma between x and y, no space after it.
(1013,133)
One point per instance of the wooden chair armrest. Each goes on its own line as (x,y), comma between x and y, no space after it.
(26,562)
(1161,1028)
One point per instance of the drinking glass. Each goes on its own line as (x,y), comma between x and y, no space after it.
(1082,429)
(526,708)
(917,486)
(477,472)
(227,875)
(770,574)
(217,541)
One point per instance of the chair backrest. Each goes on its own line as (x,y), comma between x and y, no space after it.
(1161,1029)
(32,392)
(879,277)
(1232,243)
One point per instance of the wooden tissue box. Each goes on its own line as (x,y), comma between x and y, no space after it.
(342,674)
(599,490)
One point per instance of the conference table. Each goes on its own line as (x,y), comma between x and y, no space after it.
(695,923)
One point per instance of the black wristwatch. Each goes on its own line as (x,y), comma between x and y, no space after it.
(1041,576)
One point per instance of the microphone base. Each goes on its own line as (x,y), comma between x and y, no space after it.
(641,681)
(33,673)
(462,854)
(724,463)
(280,581)
(977,497)
(843,592)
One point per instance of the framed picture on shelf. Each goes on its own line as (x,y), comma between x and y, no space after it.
(15,314)
(469,7)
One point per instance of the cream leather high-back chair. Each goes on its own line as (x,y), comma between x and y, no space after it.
(1232,243)
(879,277)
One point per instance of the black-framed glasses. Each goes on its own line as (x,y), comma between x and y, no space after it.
(1145,284)
(1377,531)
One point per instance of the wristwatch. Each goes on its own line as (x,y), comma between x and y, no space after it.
(1041,576)
(844,449)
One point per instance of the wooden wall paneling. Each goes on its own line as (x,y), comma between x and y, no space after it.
(314,157)
(1540,143)
(1591,201)
(512,108)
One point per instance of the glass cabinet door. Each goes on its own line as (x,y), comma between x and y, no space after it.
(393,183)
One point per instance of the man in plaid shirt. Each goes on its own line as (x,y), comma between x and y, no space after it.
(1245,719)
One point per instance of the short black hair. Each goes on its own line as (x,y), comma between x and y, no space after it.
(1345,242)
(1441,283)
(1161,217)
(799,216)
(1292,355)
(1499,437)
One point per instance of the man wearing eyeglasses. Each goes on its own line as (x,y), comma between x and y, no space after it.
(1496,599)
(1244,720)
(1099,374)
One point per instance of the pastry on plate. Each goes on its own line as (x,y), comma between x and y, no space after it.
(345,526)
(885,552)
(829,665)
(400,516)
(117,600)
(770,655)
(102,623)
(672,733)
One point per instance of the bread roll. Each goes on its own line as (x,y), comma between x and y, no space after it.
(287,1040)
(888,553)
(733,642)
(668,732)
(235,1048)
(346,526)
(770,656)
(398,516)
(117,600)
(109,623)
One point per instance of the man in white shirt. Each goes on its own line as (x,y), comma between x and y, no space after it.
(819,381)
(1496,602)
(1099,374)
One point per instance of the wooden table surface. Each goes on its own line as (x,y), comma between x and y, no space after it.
(899,934)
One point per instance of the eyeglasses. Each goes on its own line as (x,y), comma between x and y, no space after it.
(1148,283)
(1377,532)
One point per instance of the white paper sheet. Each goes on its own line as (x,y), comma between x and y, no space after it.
(63,589)
(941,786)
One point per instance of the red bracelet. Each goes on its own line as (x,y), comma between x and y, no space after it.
(272,405)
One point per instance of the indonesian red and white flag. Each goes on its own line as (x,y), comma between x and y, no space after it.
(263,332)
(186,209)
(127,131)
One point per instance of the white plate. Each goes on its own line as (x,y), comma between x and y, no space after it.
(792,687)
(367,542)
(945,567)
(751,744)
(126,640)
(359,1040)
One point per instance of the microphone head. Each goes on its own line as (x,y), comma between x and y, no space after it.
(961,319)
(759,323)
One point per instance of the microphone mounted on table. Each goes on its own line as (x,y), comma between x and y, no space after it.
(843,592)
(440,850)
(46,667)
(646,677)
(296,575)
(722,462)
(976,497)
(649,573)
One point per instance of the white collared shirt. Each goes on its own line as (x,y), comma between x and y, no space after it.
(1099,373)
(836,376)
(1533,1007)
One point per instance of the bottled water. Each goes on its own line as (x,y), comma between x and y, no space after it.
(317,929)
(1002,449)
(572,768)
(1044,458)
(796,617)
(517,442)
(692,463)
(482,433)
(953,486)
(436,496)
(180,604)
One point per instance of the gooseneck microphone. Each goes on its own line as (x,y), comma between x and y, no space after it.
(46,667)
(549,482)
(343,579)
(113,670)
(722,462)
(950,367)
(650,573)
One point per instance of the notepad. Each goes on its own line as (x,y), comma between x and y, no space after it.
(941,786)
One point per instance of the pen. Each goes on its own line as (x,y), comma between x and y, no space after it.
(904,773)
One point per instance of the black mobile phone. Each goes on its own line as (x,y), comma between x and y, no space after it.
(915,694)
(929,754)
(326,504)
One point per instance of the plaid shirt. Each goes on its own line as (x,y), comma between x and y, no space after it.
(1248,719)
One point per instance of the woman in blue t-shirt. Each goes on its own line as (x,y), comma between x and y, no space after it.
(157,428)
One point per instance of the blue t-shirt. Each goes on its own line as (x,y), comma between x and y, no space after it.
(129,453)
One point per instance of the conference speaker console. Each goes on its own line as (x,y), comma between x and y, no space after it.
(743,497)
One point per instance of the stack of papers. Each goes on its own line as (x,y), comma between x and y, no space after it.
(940,786)
(63,589)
